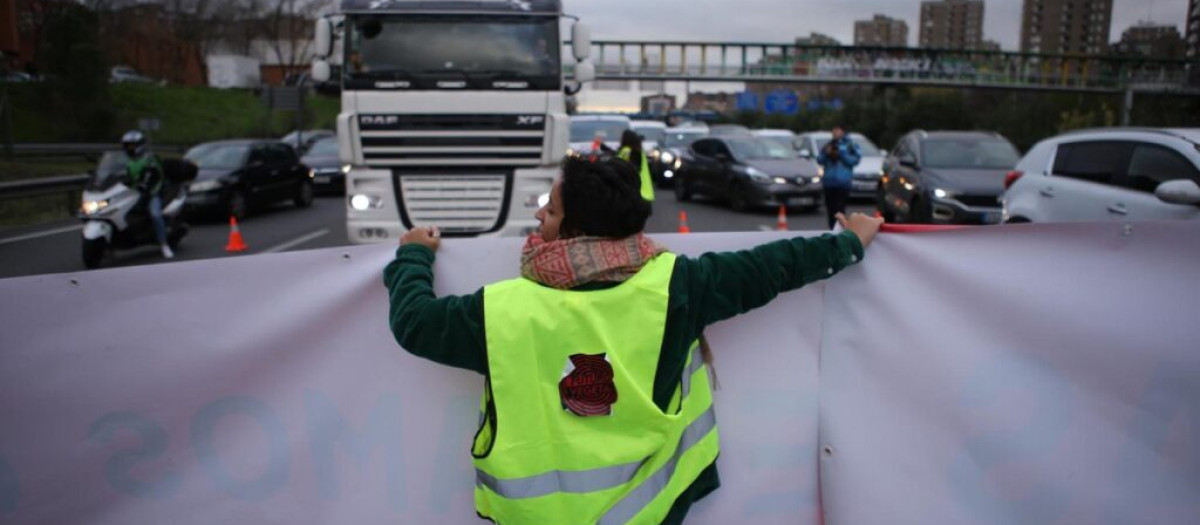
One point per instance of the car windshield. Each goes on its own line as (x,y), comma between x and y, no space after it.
(969,153)
(478,49)
(779,144)
(323,148)
(760,149)
(112,164)
(656,135)
(865,147)
(587,130)
(683,139)
(218,156)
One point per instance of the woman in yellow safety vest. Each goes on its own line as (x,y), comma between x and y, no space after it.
(631,151)
(597,407)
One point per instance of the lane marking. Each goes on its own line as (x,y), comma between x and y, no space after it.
(297,241)
(766,228)
(46,233)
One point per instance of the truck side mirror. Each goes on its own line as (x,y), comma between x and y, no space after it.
(585,72)
(323,39)
(581,41)
(320,70)
(1182,191)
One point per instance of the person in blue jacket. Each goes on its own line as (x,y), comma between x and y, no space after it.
(838,157)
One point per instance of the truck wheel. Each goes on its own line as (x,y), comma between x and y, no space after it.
(93,252)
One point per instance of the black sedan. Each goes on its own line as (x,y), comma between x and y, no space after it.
(237,175)
(325,168)
(748,172)
(948,177)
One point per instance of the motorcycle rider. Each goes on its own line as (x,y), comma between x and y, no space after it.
(146,175)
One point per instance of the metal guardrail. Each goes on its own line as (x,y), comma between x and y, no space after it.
(41,186)
(68,185)
(59,149)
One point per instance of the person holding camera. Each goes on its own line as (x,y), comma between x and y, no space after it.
(838,158)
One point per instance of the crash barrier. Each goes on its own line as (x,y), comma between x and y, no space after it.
(1017,374)
(80,149)
(67,185)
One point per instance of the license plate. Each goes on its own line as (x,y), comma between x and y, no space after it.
(801,201)
(321,179)
(863,185)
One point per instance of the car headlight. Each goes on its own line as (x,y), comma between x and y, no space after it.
(668,157)
(942,194)
(312,173)
(678,163)
(758,175)
(816,179)
(571,152)
(209,185)
(93,207)
(345,168)
(655,154)
(780,180)
(820,171)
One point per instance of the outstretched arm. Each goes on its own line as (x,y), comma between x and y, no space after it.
(446,330)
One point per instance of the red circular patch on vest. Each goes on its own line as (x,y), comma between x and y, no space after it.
(589,389)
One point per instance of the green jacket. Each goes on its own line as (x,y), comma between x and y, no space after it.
(704,290)
(146,173)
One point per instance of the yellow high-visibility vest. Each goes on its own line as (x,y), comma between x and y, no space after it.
(647,180)
(570,433)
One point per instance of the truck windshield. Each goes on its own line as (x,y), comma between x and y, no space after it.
(453,52)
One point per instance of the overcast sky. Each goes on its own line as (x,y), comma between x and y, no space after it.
(783,20)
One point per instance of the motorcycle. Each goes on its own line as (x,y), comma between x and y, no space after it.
(116,215)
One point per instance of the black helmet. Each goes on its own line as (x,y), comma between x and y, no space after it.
(134,144)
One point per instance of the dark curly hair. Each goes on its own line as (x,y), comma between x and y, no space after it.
(602,198)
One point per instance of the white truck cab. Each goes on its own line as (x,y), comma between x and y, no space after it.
(453,113)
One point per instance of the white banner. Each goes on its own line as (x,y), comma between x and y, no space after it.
(1003,375)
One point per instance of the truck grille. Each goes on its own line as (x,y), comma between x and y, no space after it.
(456,204)
(506,140)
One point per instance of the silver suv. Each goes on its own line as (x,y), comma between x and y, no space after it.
(1119,174)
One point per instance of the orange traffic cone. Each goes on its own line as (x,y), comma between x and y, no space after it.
(236,243)
(781,223)
(683,225)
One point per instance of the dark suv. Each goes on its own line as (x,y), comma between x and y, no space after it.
(237,175)
(949,177)
(748,172)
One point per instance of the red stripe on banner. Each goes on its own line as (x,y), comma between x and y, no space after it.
(918,228)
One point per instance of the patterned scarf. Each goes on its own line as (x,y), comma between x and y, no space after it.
(567,263)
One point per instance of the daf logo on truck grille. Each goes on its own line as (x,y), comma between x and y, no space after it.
(379,120)
(530,120)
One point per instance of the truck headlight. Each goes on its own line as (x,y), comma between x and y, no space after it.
(537,200)
(365,201)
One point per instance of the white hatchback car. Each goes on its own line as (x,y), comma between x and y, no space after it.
(1117,174)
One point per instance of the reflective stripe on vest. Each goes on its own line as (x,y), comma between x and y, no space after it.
(537,462)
